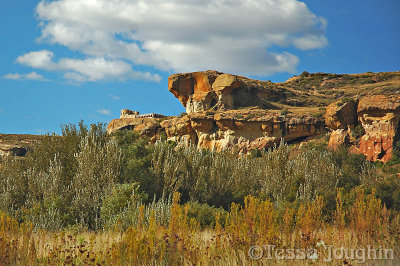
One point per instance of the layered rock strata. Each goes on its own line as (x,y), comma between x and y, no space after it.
(241,129)
(229,111)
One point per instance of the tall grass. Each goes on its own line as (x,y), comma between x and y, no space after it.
(181,241)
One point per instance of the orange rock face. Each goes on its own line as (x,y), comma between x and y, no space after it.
(379,115)
(194,90)
(179,130)
(201,91)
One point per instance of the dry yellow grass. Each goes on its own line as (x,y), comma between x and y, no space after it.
(257,224)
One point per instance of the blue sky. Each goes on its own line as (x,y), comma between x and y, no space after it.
(66,60)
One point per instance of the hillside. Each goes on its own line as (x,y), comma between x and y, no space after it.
(17,144)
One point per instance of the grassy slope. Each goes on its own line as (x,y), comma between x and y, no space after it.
(321,89)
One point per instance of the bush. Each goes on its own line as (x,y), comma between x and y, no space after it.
(137,162)
(318,115)
(388,190)
(358,131)
(205,214)
(63,179)
(121,197)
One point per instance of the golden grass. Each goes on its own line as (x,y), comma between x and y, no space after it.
(182,242)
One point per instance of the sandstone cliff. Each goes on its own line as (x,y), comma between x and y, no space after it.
(229,111)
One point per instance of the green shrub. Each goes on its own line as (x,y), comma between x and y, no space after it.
(388,190)
(250,116)
(205,214)
(358,131)
(137,162)
(121,196)
(346,100)
(89,179)
(304,74)
(133,212)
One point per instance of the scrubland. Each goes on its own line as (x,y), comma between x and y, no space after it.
(88,198)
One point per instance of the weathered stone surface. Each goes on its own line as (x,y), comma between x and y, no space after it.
(179,129)
(338,137)
(341,115)
(379,115)
(137,124)
(194,90)
(250,129)
(201,91)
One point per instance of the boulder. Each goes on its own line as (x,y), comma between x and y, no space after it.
(341,115)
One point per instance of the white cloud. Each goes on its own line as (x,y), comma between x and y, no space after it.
(234,36)
(29,76)
(38,59)
(310,42)
(14,76)
(104,111)
(114,97)
(34,76)
(81,70)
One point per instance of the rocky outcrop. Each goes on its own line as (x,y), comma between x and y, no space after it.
(201,91)
(379,116)
(243,130)
(338,138)
(341,115)
(17,145)
(147,126)
(179,129)
(251,129)
(12,150)
(229,111)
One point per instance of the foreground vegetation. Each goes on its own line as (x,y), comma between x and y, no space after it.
(88,198)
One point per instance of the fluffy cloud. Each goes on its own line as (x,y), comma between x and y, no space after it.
(81,70)
(235,36)
(29,76)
